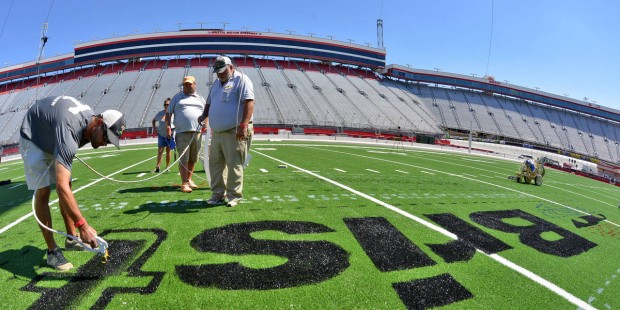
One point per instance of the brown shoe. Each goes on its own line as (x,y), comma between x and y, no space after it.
(186,188)
(192,184)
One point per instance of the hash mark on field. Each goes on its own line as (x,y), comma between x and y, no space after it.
(263,170)
(339,170)
(375,171)
(405,172)
(14,186)
(426,172)
(141,175)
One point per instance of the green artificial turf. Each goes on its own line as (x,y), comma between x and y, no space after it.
(324,190)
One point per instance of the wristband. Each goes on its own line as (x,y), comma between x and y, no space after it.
(80,223)
(243,125)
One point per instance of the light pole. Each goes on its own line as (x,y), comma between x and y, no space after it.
(224,25)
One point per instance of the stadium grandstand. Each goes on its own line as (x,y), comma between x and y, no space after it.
(310,85)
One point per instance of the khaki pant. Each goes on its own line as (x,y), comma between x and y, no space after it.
(226,158)
(191,138)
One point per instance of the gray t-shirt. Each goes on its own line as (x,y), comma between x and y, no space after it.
(56,126)
(186,110)
(227,101)
(162,130)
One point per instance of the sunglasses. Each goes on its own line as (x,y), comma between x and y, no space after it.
(105,134)
(165,105)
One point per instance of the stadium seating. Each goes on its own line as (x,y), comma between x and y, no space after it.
(322,99)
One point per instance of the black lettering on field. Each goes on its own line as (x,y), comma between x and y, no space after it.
(308,261)
(86,278)
(454,251)
(431,292)
(386,246)
(93,272)
(471,235)
(135,270)
(591,220)
(531,235)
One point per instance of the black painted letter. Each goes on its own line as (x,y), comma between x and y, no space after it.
(570,245)
(308,261)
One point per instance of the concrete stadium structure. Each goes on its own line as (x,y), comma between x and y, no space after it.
(312,85)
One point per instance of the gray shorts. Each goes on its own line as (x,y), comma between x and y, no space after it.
(39,167)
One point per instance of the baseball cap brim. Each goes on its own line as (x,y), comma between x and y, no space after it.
(112,137)
(220,69)
(114,123)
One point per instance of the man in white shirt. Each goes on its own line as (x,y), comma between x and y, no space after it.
(186,106)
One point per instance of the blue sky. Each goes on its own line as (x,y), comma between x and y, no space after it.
(567,47)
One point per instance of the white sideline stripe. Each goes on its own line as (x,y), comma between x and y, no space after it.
(528,274)
(339,170)
(426,172)
(14,186)
(263,170)
(578,194)
(375,171)
(405,172)
(468,178)
(21,219)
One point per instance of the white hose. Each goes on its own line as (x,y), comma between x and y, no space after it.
(102,244)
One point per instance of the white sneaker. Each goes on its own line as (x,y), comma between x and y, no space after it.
(233,202)
(58,261)
(72,245)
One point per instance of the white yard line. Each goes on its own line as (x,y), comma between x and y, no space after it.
(468,178)
(339,170)
(426,172)
(375,171)
(21,219)
(578,194)
(530,275)
(405,172)
(263,170)
(14,186)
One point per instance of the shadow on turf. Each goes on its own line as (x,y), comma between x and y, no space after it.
(136,172)
(151,189)
(13,195)
(22,262)
(179,206)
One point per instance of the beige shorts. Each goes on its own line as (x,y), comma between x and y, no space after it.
(185,139)
(39,167)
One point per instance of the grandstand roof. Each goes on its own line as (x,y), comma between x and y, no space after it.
(197,42)
(489,84)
